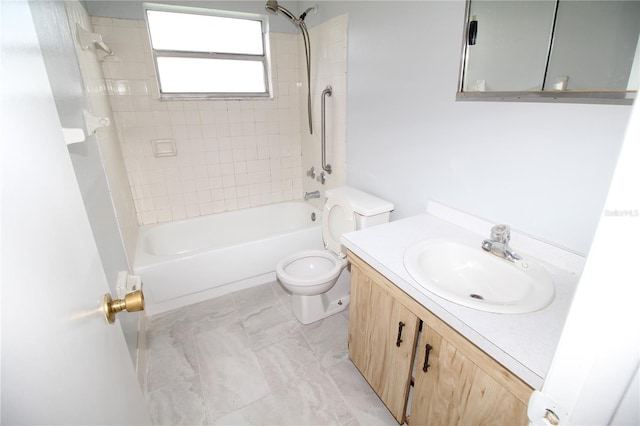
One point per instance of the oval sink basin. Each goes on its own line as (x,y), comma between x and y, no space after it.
(469,276)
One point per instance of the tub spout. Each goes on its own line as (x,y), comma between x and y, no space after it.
(314,194)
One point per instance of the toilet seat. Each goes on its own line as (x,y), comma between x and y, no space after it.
(337,219)
(310,271)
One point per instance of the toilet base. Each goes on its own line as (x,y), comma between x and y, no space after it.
(308,309)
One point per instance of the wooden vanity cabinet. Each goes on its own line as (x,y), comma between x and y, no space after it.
(382,334)
(459,385)
(462,385)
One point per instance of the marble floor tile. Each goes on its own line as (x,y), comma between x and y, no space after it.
(328,339)
(229,370)
(305,404)
(169,364)
(243,358)
(213,313)
(286,363)
(291,364)
(168,329)
(255,298)
(180,403)
(269,324)
(365,405)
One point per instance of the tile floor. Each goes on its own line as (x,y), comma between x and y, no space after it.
(243,359)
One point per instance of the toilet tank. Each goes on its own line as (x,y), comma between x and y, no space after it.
(369,210)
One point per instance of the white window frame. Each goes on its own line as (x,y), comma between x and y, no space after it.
(264,59)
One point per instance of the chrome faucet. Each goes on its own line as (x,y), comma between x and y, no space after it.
(314,194)
(499,243)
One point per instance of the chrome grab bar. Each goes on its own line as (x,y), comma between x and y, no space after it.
(326,92)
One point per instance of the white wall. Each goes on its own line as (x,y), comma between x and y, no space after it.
(593,377)
(97,162)
(542,168)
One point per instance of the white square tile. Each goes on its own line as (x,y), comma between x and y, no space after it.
(227,132)
(148,217)
(193,211)
(178,212)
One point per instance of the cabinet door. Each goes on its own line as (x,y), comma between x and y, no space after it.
(455,391)
(376,349)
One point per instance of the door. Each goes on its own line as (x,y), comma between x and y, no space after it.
(454,390)
(61,362)
(378,346)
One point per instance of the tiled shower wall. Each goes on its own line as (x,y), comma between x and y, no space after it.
(329,68)
(230,154)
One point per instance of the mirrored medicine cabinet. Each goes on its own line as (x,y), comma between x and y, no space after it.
(582,51)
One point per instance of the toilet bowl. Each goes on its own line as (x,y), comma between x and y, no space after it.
(318,280)
(310,272)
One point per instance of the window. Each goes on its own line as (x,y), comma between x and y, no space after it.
(203,53)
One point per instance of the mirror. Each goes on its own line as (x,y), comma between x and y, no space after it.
(551,50)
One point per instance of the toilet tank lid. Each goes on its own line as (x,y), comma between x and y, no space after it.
(362,203)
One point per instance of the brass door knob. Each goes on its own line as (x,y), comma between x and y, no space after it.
(132,302)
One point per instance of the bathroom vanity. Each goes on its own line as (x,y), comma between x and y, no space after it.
(454,381)
(432,361)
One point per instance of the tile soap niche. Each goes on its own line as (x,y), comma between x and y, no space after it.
(164,148)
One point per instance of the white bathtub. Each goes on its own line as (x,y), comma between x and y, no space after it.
(197,259)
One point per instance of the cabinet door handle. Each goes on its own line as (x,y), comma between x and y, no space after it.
(426,365)
(399,340)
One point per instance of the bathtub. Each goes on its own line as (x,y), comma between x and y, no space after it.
(189,261)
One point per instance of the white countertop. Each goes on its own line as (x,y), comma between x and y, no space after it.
(523,343)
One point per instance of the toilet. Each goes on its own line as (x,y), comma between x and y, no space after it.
(318,280)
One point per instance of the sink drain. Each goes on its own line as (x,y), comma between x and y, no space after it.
(476,296)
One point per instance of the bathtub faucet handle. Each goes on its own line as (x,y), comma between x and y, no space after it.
(311,173)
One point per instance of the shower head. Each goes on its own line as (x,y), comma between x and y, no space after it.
(273,7)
